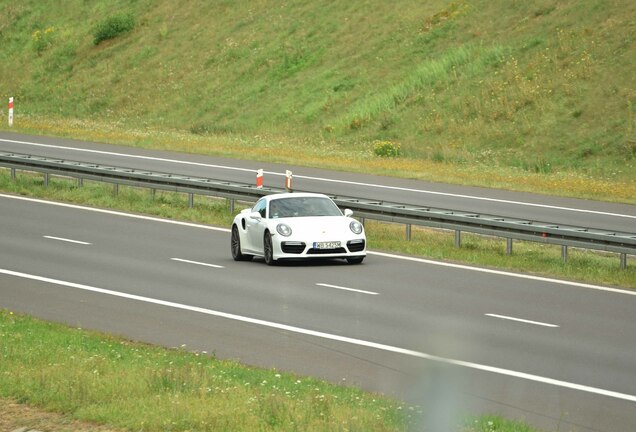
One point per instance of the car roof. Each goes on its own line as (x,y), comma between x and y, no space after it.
(295,195)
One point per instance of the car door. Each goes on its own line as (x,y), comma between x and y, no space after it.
(255,227)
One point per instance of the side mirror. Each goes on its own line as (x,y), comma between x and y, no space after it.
(348,212)
(256,216)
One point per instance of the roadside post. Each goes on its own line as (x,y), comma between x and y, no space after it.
(10,111)
(288,180)
(259,179)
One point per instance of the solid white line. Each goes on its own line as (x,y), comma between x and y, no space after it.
(323,335)
(66,240)
(504,273)
(132,156)
(197,263)
(378,186)
(382,254)
(498,200)
(347,289)
(115,213)
(521,320)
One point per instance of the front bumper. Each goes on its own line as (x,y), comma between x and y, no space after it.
(291,249)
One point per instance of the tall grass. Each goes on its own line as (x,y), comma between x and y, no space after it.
(481,85)
(112,27)
(431,74)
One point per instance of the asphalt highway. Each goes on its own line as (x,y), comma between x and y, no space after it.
(448,338)
(591,214)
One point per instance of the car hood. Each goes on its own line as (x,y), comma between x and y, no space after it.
(317,227)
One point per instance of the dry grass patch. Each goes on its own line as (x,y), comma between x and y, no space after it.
(338,156)
(14,416)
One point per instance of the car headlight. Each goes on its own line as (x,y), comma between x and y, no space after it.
(356,227)
(283,229)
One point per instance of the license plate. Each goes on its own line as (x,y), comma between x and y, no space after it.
(327,245)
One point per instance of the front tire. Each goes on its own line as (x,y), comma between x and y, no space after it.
(235,246)
(268,249)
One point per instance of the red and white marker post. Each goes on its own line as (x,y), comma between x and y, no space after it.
(259,179)
(288,180)
(10,111)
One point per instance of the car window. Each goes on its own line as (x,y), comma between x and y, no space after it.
(276,209)
(260,207)
(302,207)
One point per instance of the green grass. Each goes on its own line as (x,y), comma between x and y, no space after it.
(139,387)
(582,265)
(518,95)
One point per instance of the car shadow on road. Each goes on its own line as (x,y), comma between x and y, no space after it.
(318,262)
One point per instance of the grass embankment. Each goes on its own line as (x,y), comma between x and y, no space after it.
(532,96)
(582,265)
(100,379)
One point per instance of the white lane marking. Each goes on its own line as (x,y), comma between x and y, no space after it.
(323,335)
(347,289)
(478,198)
(382,254)
(197,263)
(372,185)
(66,240)
(504,273)
(504,317)
(131,156)
(115,213)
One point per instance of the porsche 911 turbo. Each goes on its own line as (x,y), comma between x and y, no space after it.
(297,226)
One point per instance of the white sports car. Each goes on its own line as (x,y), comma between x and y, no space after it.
(294,226)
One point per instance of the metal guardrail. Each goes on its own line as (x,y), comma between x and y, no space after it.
(510,228)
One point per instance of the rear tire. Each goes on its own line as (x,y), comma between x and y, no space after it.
(355,260)
(268,249)
(235,246)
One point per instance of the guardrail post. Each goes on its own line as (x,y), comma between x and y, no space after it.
(13,173)
(190,200)
(408,232)
(46,179)
(564,253)
(116,189)
(362,221)
(508,246)
(10,111)
(259,178)
(80,182)
(623,261)
(153,192)
(288,181)
(232,205)
(458,238)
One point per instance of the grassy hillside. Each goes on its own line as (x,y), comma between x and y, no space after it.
(474,91)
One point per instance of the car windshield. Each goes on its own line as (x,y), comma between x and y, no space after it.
(302,206)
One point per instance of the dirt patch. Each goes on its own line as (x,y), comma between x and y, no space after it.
(14,416)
